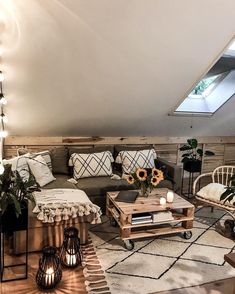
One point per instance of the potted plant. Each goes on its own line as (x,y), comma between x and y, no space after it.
(14,196)
(192,158)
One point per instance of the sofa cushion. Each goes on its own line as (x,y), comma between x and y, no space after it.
(131,160)
(91,165)
(119,148)
(102,148)
(60,183)
(19,164)
(40,170)
(101,185)
(80,149)
(59,160)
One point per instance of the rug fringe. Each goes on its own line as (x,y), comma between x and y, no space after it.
(95,277)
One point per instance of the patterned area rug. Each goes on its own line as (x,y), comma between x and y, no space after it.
(167,262)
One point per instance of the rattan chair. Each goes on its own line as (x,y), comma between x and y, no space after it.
(221,175)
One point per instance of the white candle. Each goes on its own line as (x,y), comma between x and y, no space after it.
(170,196)
(71,259)
(50,276)
(162,200)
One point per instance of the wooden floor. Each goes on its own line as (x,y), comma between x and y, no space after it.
(72,281)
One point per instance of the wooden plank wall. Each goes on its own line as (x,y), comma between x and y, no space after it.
(167,147)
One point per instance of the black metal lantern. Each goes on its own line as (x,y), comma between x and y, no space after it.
(70,254)
(49,273)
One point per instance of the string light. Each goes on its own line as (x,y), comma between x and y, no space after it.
(1,76)
(3,119)
(3,100)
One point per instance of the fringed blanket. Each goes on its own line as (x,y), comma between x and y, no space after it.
(54,205)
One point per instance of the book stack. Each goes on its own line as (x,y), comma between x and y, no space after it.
(141,218)
(162,216)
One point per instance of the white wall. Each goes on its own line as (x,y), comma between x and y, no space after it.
(110,67)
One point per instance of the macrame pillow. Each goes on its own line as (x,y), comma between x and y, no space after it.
(91,165)
(131,160)
(19,164)
(40,170)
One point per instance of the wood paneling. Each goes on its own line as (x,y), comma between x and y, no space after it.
(167,147)
(211,162)
(229,154)
(167,151)
(21,140)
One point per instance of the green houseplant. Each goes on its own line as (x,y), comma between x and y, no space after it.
(229,193)
(14,196)
(192,156)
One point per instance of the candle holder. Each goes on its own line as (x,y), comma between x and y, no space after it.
(70,253)
(49,273)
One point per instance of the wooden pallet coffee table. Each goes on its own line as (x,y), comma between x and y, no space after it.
(121,213)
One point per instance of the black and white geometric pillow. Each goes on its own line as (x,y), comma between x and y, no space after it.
(19,164)
(91,165)
(131,160)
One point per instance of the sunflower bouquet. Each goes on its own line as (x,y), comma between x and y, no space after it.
(144,180)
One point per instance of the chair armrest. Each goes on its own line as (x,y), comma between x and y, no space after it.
(172,171)
(198,178)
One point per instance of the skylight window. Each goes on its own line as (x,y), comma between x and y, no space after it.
(215,89)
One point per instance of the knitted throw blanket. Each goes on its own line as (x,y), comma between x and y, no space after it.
(54,205)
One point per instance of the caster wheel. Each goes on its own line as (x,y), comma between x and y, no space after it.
(113,222)
(187,235)
(129,245)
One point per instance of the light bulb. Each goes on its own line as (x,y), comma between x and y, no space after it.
(1,169)
(3,134)
(3,100)
(4,118)
(1,76)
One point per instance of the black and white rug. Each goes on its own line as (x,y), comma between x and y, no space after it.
(167,262)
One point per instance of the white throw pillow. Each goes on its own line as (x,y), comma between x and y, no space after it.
(40,170)
(131,160)
(45,155)
(91,165)
(20,164)
(212,192)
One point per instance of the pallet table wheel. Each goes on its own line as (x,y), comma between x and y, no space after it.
(113,222)
(188,235)
(129,244)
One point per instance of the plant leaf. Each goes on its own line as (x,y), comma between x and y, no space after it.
(192,143)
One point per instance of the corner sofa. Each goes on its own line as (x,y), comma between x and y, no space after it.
(41,234)
(96,187)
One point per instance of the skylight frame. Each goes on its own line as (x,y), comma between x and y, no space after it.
(226,49)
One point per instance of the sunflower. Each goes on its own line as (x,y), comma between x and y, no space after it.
(141,174)
(157,173)
(155,181)
(130,179)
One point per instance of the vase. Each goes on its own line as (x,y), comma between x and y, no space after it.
(144,192)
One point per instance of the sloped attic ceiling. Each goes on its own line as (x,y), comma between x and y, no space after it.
(110,67)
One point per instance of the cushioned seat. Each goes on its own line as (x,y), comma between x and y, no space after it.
(96,188)
(60,183)
(100,185)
